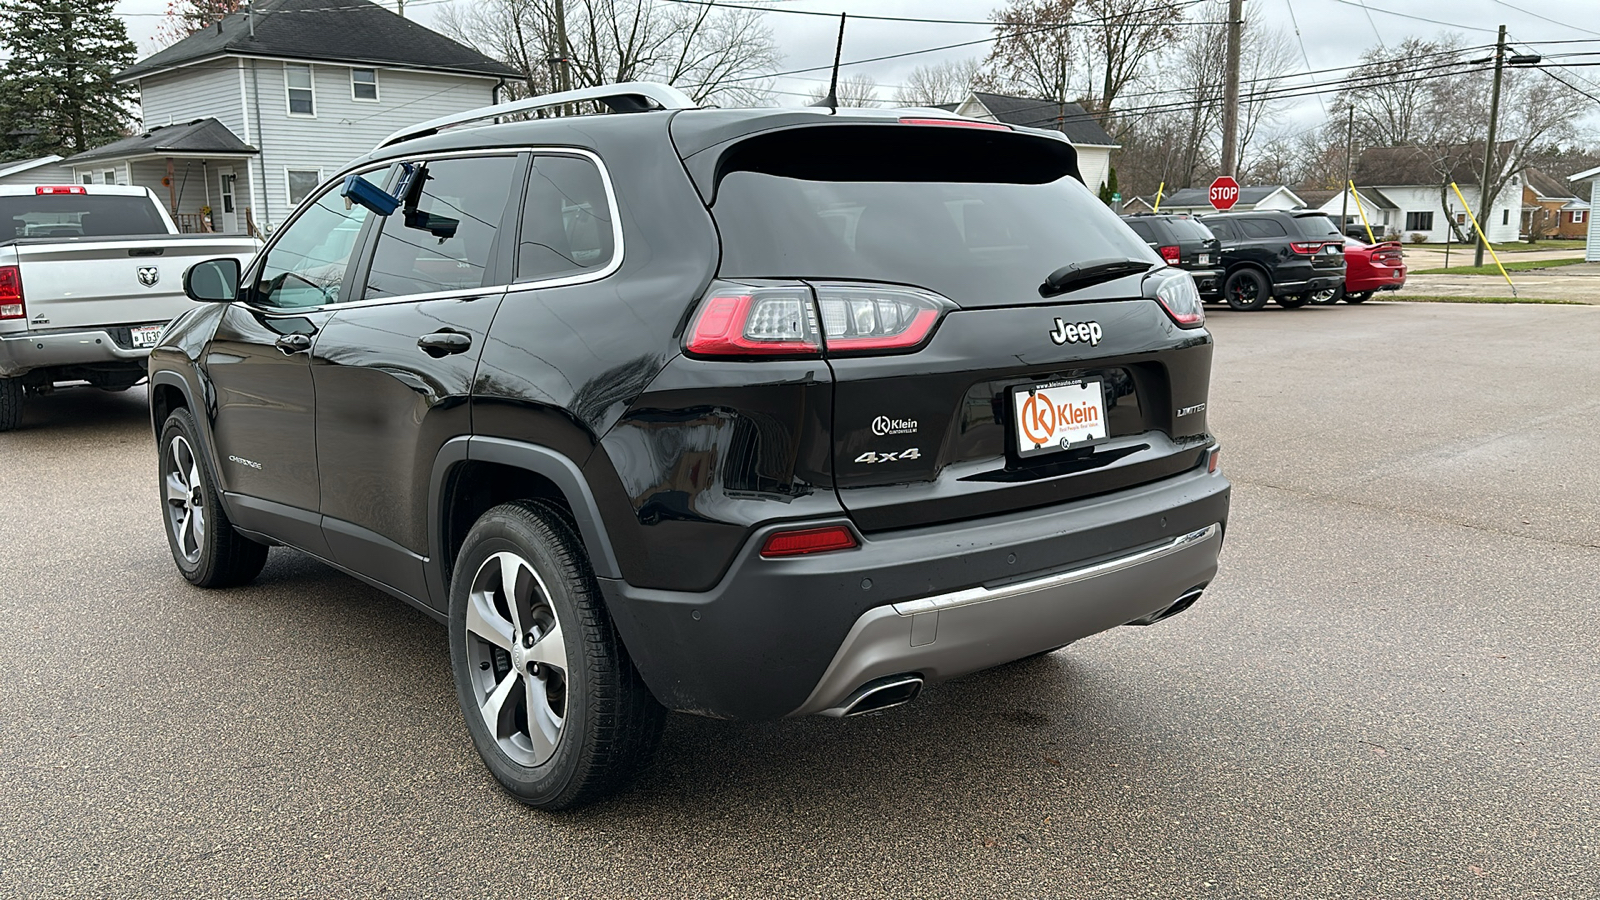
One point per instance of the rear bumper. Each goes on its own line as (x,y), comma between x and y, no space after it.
(1209,281)
(22,353)
(1386,280)
(1310,285)
(781,637)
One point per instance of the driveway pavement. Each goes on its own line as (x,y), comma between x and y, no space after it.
(1390,691)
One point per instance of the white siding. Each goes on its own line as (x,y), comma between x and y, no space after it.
(201,91)
(1496,225)
(1094,163)
(52,173)
(1592,252)
(343,128)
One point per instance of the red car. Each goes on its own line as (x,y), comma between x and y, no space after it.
(1369,268)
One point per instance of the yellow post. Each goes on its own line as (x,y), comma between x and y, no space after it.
(1483,237)
(1158,196)
(1357,197)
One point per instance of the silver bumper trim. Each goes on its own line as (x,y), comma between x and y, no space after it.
(952,634)
(25,351)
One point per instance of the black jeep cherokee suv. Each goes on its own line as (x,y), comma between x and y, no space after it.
(745,413)
(1286,256)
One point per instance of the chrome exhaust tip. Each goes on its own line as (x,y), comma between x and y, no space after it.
(1183,602)
(884,693)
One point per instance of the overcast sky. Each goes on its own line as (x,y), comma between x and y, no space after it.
(1334,33)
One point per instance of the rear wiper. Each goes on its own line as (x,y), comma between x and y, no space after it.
(1076,275)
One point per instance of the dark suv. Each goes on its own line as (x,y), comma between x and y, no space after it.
(1185,242)
(1287,256)
(744,413)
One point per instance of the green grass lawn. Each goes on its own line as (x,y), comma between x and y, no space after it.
(1491,269)
(1424,298)
(1510,246)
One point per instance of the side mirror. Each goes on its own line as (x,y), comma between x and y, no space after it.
(213,281)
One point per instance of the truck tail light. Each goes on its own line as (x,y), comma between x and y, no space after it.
(1172,255)
(11,305)
(808,540)
(1306,249)
(843,319)
(60,189)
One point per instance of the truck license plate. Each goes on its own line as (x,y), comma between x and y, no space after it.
(1203,259)
(147,335)
(1059,415)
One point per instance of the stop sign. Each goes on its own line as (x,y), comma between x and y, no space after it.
(1224,192)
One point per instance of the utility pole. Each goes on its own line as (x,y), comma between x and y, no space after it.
(1230,90)
(1488,151)
(1349,150)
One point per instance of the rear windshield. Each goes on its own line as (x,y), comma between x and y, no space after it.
(969,221)
(77,215)
(1316,226)
(1190,230)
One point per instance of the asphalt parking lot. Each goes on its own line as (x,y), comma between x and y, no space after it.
(1390,692)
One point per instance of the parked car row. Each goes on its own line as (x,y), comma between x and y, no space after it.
(1291,257)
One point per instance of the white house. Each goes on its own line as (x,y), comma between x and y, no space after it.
(1405,191)
(246,117)
(1197,201)
(1093,144)
(1592,248)
(40,170)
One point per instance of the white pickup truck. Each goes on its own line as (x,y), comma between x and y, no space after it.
(89,275)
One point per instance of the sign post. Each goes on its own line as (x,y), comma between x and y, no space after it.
(1224,193)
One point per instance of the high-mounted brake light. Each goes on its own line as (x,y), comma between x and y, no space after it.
(808,540)
(60,189)
(1172,255)
(958,123)
(11,305)
(844,319)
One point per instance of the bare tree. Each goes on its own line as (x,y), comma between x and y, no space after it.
(1268,55)
(948,82)
(714,54)
(1033,52)
(854,90)
(185,17)
(1118,38)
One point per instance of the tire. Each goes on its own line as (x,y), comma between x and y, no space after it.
(11,395)
(205,546)
(545,646)
(1292,301)
(1361,297)
(1327,298)
(1246,290)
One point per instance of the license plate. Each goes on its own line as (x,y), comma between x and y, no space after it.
(1203,259)
(1059,415)
(147,335)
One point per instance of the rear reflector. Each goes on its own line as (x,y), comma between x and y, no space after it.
(958,123)
(1214,463)
(11,305)
(1172,255)
(61,189)
(808,540)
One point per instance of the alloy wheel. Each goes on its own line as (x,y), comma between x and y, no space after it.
(186,510)
(517,657)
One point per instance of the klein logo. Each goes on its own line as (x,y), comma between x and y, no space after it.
(1077,333)
(149,275)
(244,462)
(883,425)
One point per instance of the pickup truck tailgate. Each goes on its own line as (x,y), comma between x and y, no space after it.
(112,281)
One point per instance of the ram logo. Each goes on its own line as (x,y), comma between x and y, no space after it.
(149,275)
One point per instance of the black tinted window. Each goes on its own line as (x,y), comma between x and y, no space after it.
(1316,226)
(77,215)
(446,242)
(1223,229)
(1262,228)
(1142,228)
(1190,230)
(566,220)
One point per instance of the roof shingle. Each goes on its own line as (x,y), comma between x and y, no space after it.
(199,136)
(1068,118)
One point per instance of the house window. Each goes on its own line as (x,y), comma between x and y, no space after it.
(302,96)
(1577,216)
(227,191)
(88,178)
(364,84)
(1505,217)
(109,176)
(1419,221)
(301,183)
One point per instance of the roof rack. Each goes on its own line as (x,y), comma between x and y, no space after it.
(631,96)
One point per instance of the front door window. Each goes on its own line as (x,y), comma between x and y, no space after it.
(308,263)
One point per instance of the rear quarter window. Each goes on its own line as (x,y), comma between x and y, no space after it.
(1262,228)
(1190,230)
(1316,226)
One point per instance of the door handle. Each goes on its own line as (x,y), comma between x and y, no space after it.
(444,343)
(291,344)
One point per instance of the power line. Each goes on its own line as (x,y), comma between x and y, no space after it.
(1529,12)
(1390,12)
(986,22)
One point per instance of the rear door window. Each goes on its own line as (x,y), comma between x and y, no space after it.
(449,241)
(980,217)
(566,224)
(1262,228)
(1142,228)
(1223,229)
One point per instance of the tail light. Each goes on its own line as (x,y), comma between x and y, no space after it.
(737,321)
(60,189)
(1177,294)
(808,540)
(1306,249)
(11,305)
(1172,255)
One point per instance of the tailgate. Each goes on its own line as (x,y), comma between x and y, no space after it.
(72,284)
